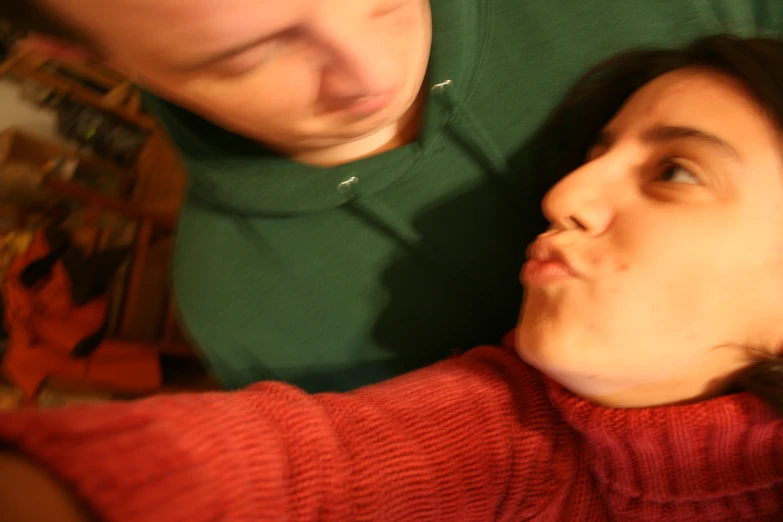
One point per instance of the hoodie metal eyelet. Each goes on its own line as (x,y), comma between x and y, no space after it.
(442,86)
(347,185)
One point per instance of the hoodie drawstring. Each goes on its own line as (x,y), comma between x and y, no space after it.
(465,127)
(476,137)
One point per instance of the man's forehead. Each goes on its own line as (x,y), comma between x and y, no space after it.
(179,30)
(193,16)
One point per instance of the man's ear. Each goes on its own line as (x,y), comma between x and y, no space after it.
(75,53)
(59,49)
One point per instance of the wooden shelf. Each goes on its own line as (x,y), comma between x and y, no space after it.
(145,312)
(92,84)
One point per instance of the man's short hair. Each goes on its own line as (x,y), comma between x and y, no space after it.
(30,15)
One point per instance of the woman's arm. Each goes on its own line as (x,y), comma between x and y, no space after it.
(28,492)
(437,444)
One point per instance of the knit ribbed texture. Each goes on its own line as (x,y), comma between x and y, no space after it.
(720,459)
(482,437)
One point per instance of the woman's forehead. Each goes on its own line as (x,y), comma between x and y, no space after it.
(707,100)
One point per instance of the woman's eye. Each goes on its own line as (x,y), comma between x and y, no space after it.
(674,173)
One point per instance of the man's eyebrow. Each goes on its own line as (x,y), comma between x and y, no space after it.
(225,54)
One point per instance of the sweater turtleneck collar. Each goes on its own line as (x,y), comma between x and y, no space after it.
(713,451)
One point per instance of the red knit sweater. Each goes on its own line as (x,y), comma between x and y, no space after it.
(482,437)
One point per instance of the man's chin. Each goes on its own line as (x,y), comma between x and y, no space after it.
(314,138)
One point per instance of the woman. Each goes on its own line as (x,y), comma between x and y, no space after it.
(653,296)
(359,169)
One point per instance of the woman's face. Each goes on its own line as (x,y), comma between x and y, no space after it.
(665,255)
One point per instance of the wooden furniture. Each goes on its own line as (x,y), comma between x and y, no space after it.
(92,84)
(154,223)
(141,303)
(20,148)
(46,328)
(151,198)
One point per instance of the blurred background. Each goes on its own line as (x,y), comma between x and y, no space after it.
(89,193)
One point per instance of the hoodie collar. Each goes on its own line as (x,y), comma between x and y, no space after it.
(240,176)
(677,454)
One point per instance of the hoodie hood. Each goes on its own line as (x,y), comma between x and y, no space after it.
(237,175)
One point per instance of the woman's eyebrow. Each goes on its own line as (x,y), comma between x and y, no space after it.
(666,133)
(672,133)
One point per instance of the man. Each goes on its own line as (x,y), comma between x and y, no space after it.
(361,180)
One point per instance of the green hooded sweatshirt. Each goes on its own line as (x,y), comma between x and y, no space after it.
(332,278)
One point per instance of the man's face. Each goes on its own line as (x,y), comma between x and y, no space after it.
(294,74)
(673,229)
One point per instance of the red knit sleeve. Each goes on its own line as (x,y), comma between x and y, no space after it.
(442,443)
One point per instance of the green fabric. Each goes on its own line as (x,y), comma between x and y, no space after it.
(281,274)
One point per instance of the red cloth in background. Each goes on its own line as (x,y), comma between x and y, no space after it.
(44,326)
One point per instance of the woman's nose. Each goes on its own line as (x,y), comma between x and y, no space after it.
(581,201)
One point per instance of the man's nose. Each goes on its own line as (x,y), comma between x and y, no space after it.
(353,68)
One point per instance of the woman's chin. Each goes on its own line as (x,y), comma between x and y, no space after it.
(554,352)
(536,349)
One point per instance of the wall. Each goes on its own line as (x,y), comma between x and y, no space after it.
(17,112)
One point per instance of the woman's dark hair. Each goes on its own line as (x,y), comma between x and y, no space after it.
(590,104)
